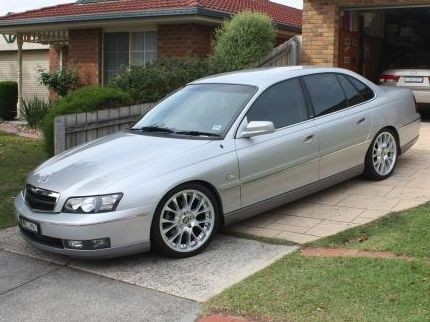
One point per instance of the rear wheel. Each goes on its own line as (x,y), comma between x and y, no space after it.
(381,158)
(185,221)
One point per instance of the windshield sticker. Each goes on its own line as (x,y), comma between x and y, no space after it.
(217,127)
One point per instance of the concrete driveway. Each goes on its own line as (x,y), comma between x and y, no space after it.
(38,286)
(350,204)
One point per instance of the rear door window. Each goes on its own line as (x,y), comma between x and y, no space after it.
(325,93)
(366,93)
(352,95)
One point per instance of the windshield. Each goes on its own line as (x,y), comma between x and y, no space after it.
(413,61)
(197,110)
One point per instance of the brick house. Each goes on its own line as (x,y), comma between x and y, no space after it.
(100,36)
(366,36)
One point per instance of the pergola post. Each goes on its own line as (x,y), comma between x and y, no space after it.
(19,42)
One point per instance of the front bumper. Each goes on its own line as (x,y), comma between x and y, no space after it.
(128,230)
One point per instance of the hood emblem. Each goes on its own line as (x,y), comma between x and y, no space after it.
(43,179)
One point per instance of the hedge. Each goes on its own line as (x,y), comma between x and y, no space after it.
(85,99)
(150,83)
(243,41)
(8,99)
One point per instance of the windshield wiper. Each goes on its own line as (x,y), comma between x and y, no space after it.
(155,129)
(197,133)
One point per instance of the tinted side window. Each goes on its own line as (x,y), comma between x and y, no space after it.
(352,95)
(326,93)
(364,90)
(283,104)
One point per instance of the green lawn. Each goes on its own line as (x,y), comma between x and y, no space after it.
(310,289)
(18,156)
(403,233)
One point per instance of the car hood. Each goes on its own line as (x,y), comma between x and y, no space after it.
(94,166)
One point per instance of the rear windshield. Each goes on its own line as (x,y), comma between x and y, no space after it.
(413,61)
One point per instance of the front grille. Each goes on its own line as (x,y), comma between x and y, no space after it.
(40,199)
(44,240)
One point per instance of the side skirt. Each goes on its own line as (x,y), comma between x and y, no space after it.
(290,196)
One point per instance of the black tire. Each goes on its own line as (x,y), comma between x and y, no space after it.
(370,170)
(157,241)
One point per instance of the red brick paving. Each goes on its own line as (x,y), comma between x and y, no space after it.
(222,318)
(345,252)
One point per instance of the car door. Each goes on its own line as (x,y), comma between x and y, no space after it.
(278,162)
(342,122)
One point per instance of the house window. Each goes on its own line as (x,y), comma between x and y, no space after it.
(121,49)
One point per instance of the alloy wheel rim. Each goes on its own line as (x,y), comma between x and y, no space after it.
(187,221)
(384,154)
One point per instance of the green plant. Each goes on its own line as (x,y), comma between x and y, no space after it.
(242,41)
(85,99)
(61,81)
(152,82)
(34,110)
(8,99)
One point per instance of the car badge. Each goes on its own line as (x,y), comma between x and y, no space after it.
(43,179)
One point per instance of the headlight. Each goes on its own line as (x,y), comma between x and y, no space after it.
(92,204)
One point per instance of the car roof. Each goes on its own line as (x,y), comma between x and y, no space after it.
(265,77)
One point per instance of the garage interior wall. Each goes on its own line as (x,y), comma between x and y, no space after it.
(32,61)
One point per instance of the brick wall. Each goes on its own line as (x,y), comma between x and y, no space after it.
(85,50)
(54,58)
(321,27)
(182,40)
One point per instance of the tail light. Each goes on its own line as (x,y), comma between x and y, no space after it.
(388,79)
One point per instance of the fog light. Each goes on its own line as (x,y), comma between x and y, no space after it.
(100,243)
(88,244)
(75,244)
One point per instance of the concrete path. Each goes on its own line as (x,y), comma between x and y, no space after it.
(350,204)
(34,290)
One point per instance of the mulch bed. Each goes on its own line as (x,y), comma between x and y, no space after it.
(20,128)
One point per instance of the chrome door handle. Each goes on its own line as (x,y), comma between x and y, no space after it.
(361,121)
(309,138)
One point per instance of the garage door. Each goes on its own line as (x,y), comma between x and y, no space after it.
(32,61)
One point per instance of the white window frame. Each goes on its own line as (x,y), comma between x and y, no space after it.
(130,32)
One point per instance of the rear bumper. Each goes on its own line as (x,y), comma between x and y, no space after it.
(409,134)
(422,96)
(128,232)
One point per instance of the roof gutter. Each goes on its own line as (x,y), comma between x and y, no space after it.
(8,24)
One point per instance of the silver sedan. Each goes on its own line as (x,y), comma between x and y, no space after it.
(220,150)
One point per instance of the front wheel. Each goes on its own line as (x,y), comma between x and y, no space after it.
(381,158)
(185,221)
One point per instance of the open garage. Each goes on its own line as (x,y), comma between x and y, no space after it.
(373,38)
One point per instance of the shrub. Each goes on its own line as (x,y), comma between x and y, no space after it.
(8,99)
(242,41)
(34,110)
(86,99)
(61,81)
(150,83)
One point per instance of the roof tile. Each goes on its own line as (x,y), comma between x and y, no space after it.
(279,13)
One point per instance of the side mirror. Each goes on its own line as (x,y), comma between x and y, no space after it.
(255,128)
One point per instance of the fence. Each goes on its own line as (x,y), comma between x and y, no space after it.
(287,54)
(72,130)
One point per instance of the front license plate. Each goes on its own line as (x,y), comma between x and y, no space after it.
(28,225)
(414,79)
